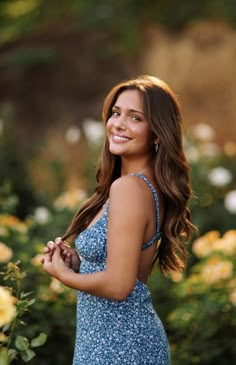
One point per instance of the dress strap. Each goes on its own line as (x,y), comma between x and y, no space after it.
(158,224)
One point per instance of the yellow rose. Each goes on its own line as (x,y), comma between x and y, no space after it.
(5,253)
(216,270)
(230,234)
(212,236)
(3,337)
(70,199)
(176,276)
(227,245)
(204,246)
(211,242)
(7,307)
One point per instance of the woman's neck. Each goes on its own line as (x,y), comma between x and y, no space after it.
(135,168)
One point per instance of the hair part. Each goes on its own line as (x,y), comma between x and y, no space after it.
(171,170)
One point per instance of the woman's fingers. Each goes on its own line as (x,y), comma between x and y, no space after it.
(61,242)
(62,247)
(51,245)
(67,259)
(57,253)
(47,259)
(58,241)
(64,254)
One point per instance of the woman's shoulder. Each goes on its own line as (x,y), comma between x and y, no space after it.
(128,199)
(129,187)
(126,181)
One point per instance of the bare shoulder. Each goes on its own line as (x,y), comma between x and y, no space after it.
(127,187)
(128,208)
(127,194)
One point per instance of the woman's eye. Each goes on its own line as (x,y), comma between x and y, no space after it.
(115,113)
(134,117)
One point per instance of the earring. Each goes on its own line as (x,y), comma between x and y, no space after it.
(156,147)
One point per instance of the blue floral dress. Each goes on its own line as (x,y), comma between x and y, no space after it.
(111,332)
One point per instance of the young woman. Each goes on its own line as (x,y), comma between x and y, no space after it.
(138,215)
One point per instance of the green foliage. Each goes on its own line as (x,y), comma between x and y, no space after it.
(26,58)
(18,193)
(15,346)
(14,176)
(124,18)
(208,207)
(203,321)
(8,200)
(54,309)
(199,309)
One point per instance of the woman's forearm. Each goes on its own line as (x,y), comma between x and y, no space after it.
(99,284)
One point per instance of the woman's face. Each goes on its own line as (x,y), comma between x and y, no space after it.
(127,129)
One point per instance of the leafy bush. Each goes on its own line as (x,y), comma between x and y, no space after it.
(213,179)
(203,322)
(123,18)
(14,305)
(53,312)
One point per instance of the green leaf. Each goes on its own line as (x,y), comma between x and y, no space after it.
(30,302)
(12,353)
(6,328)
(39,341)
(3,356)
(27,355)
(24,295)
(22,304)
(22,343)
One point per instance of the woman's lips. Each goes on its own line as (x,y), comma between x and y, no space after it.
(117,138)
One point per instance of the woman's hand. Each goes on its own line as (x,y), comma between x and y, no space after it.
(68,254)
(54,264)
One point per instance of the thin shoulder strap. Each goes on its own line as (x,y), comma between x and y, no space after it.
(158,224)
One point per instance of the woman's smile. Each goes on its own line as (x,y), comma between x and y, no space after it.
(120,139)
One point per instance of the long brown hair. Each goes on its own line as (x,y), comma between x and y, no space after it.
(162,111)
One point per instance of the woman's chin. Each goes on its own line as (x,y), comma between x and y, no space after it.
(115,150)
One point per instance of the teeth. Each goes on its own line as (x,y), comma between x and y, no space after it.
(119,138)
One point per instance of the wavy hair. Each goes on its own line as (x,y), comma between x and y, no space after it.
(171,170)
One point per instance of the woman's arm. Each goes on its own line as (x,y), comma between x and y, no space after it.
(127,222)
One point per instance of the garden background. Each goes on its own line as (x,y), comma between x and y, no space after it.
(58,59)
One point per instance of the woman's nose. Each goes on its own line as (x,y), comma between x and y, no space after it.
(119,122)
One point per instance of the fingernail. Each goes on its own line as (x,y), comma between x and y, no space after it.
(58,240)
(50,244)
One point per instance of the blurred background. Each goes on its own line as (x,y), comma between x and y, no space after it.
(58,60)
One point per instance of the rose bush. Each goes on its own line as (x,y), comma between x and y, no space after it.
(13,307)
(203,322)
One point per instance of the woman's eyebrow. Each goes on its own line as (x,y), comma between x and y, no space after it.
(131,110)
(136,111)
